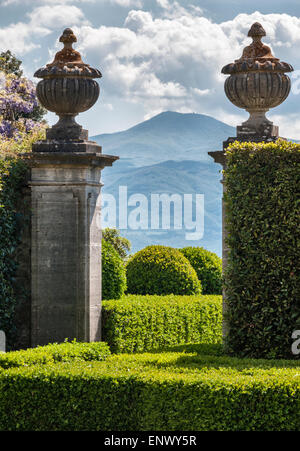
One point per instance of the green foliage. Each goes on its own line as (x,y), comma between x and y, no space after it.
(12,178)
(208,267)
(113,273)
(10,64)
(263,277)
(63,352)
(14,147)
(142,323)
(13,173)
(187,390)
(161,270)
(121,245)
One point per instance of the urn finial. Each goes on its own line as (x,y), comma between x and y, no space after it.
(256,30)
(67,88)
(68,36)
(257,82)
(257,49)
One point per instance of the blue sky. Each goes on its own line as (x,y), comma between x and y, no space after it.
(156,55)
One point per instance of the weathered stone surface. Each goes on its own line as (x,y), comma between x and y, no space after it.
(67,88)
(257,83)
(65,198)
(66,146)
(66,247)
(68,62)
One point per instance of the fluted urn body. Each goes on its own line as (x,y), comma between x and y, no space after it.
(67,88)
(257,90)
(67,95)
(257,82)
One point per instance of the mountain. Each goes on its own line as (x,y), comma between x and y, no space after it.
(167,136)
(166,154)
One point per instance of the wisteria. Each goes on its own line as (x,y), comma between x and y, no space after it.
(17,100)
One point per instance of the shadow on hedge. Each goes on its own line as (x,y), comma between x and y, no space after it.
(213,356)
(197,348)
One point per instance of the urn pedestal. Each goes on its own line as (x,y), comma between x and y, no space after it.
(66,246)
(66,211)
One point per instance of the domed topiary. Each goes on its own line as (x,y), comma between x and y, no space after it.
(208,267)
(113,273)
(161,270)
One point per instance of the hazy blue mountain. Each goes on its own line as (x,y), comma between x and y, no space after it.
(167,136)
(167,154)
(173,177)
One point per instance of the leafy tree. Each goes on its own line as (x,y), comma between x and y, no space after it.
(121,245)
(9,64)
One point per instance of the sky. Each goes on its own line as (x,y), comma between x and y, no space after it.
(156,55)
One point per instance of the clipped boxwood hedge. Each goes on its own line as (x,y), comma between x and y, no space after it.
(174,391)
(263,271)
(141,323)
(208,267)
(62,352)
(113,272)
(161,270)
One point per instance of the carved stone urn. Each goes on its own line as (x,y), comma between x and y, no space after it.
(65,213)
(67,88)
(257,82)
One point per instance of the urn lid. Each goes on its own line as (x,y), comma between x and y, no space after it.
(67,62)
(257,57)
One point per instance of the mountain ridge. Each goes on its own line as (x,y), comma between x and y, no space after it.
(167,136)
(166,154)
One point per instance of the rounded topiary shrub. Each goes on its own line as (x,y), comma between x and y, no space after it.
(208,267)
(161,270)
(113,273)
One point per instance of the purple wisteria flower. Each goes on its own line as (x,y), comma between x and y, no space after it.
(17,99)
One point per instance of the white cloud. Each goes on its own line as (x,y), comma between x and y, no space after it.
(289,125)
(56,16)
(163,63)
(20,37)
(34,2)
(175,62)
(127,3)
(173,8)
(123,3)
(171,61)
(23,37)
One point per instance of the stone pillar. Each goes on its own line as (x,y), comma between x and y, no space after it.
(257,82)
(66,247)
(65,196)
(220,157)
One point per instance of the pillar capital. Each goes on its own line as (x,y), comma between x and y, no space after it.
(219,156)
